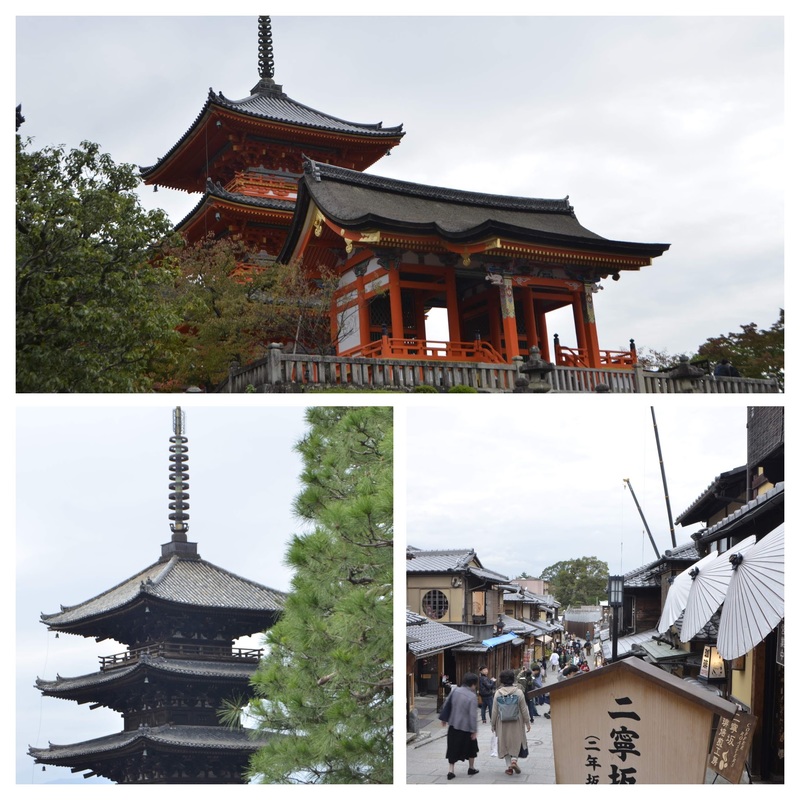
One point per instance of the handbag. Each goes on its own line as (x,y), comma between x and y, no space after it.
(444,714)
(523,751)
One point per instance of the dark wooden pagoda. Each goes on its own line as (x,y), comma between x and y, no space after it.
(179,619)
(246,157)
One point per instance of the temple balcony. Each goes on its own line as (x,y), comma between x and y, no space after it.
(188,651)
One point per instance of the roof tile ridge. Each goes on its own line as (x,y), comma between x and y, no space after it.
(354,177)
(280,94)
(163,573)
(238,577)
(105,592)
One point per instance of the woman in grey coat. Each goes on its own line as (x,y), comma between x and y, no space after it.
(460,712)
(510,731)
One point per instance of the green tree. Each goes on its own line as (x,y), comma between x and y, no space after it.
(325,689)
(232,308)
(755,353)
(93,313)
(579,581)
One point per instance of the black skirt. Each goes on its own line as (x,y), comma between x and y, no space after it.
(460,745)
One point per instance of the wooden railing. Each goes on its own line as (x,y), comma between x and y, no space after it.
(387,347)
(175,650)
(290,372)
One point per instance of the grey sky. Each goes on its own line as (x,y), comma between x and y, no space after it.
(660,129)
(92,510)
(527,490)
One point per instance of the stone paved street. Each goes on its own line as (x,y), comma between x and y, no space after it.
(425,754)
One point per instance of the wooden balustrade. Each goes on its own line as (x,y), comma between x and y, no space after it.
(175,650)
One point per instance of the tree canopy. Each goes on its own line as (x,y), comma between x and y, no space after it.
(756,353)
(230,314)
(93,314)
(579,581)
(325,689)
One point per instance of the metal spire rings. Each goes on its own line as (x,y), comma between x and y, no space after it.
(178,477)
(266,63)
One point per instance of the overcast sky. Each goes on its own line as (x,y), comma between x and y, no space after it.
(660,129)
(527,490)
(92,510)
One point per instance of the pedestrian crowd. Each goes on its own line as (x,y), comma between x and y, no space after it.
(507,705)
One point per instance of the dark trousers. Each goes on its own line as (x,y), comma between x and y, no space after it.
(486,706)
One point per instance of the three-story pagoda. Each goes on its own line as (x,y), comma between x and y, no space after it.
(179,619)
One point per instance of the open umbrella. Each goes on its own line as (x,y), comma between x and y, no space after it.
(679,593)
(754,603)
(708,589)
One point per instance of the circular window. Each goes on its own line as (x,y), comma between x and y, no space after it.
(434,604)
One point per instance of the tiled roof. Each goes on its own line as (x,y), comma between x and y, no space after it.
(583,615)
(363,202)
(774,494)
(649,575)
(192,582)
(279,107)
(438,560)
(432,637)
(706,504)
(276,106)
(449,561)
(171,666)
(215,191)
(625,643)
(200,737)
(512,625)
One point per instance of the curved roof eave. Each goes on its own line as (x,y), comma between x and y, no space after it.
(493,228)
(333,125)
(214,191)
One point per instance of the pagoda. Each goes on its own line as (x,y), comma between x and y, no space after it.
(246,156)
(289,182)
(178,619)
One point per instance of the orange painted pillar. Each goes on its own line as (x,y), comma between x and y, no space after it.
(363,311)
(509,318)
(495,333)
(530,318)
(544,338)
(590,326)
(580,328)
(453,311)
(395,303)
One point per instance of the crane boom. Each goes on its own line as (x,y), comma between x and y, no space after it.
(663,479)
(646,526)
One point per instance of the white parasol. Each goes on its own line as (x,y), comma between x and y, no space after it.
(754,603)
(679,593)
(708,589)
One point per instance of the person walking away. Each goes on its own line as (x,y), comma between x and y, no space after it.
(541,699)
(554,661)
(486,689)
(525,683)
(510,721)
(460,713)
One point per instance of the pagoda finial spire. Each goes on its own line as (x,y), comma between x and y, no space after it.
(266,62)
(178,477)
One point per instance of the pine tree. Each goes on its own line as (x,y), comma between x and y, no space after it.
(325,689)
